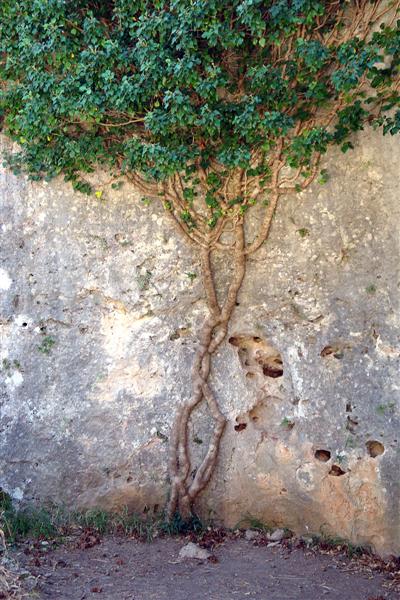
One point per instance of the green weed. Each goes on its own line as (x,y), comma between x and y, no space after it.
(47,343)
(55,522)
(249,521)
(327,541)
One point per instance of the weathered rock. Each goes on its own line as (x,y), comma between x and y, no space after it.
(309,541)
(192,550)
(98,314)
(277,535)
(251,534)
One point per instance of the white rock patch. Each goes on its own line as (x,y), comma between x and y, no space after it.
(192,550)
(5,280)
(16,379)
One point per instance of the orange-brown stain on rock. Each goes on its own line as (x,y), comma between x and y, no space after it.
(353,505)
(284,454)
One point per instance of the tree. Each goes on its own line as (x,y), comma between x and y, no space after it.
(211,106)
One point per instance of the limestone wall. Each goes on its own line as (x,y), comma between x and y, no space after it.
(98,312)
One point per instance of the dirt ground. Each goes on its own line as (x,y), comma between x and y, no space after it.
(119,568)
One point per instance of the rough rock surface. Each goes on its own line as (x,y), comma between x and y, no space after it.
(193,551)
(99,310)
(277,535)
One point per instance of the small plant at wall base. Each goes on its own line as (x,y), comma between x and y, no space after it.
(211,107)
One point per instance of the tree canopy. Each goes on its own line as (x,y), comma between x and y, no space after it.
(159,87)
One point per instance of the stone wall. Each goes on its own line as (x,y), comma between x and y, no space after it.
(99,311)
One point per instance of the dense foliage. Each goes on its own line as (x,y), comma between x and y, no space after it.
(160,87)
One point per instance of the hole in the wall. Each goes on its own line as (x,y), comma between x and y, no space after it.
(266,416)
(349,408)
(335,351)
(250,375)
(240,426)
(24,324)
(327,351)
(375,448)
(274,368)
(322,455)
(257,356)
(336,471)
(351,424)
(129,479)
(180,332)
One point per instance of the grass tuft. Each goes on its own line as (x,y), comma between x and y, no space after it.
(332,542)
(54,523)
(251,522)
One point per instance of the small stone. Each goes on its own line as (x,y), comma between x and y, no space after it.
(192,550)
(308,541)
(272,544)
(251,534)
(277,535)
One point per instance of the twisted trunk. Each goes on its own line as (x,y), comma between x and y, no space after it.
(184,488)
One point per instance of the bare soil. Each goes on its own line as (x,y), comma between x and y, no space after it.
(119,568)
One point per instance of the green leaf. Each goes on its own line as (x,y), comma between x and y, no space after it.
(346,146)
(323,177)
(303,232)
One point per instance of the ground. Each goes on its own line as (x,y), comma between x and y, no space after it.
(120,568)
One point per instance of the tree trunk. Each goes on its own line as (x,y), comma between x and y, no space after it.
(184,487)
